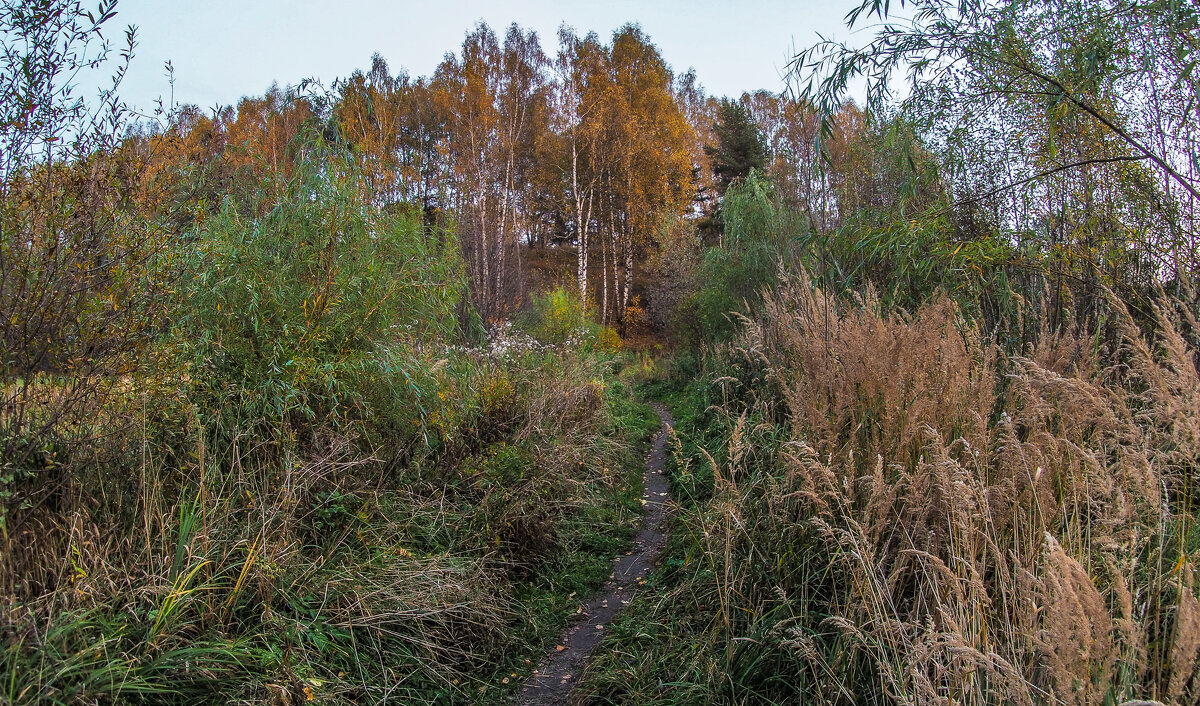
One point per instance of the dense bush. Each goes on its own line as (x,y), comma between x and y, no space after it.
(732,277)
(558,317)
(907,257)
(305,313)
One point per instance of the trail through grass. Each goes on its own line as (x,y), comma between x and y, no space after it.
(556,676)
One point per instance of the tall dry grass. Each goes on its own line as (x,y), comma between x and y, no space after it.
(941,524)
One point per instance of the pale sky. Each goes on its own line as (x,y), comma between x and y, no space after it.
(223,50)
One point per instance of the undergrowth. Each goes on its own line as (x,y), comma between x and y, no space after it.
(880,507)
(310,489)
(278,572)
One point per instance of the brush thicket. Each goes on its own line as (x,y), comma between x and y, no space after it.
(939,523)
(185,566)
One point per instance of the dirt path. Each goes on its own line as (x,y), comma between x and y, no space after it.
(559,670)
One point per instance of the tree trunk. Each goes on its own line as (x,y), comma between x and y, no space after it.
(582,220)
(627,289)
(604,243)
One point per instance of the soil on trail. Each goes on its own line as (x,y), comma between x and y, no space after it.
(551,684)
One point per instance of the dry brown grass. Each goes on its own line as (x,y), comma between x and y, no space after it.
(994,529)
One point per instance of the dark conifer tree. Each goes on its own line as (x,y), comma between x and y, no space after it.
(740,145)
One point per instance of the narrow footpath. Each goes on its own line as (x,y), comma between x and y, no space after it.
(556,676)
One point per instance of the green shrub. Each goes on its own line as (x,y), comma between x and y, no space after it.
(732,277)
(305,313)
(559,317)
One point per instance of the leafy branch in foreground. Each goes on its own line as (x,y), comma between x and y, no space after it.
(1042,107)
(78,297)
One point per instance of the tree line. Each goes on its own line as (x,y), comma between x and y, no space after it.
(593,148)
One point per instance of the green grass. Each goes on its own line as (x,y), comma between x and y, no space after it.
(664,649)
(599,531)
(434,579)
